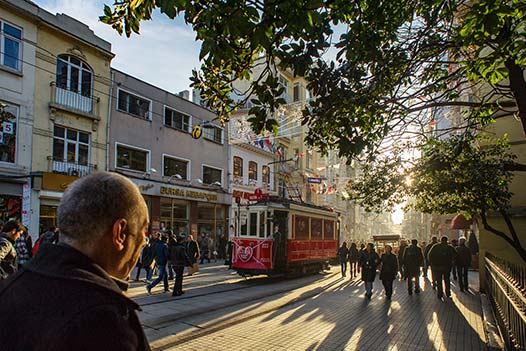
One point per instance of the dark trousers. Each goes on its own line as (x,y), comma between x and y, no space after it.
(463,277)
(354,268)
(162,276)
(442,275)
(170,271)
(343,264)
(178,286)
(146,269)
(204,255)
(388,286)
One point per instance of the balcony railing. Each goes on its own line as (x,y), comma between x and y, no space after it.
(74,101)
(70,168)
(506,288)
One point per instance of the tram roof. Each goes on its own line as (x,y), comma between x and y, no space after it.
(287,203)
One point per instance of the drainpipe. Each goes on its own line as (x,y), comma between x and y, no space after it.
(108,144)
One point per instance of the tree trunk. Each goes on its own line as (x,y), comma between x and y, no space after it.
(518,88)
(515,242)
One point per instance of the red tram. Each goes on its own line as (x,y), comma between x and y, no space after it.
(284,237)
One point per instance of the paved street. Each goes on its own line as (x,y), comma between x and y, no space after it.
(323,312)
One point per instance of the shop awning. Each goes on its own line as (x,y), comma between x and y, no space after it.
(460,222)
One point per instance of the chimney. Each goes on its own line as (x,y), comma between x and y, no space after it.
(185,94)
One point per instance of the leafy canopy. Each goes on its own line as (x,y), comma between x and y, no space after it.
(394,60)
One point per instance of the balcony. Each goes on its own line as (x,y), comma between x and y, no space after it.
(73,101)
(70,168)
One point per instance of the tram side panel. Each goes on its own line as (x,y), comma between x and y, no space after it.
(252,255)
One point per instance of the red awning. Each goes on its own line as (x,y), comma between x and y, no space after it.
(460,222)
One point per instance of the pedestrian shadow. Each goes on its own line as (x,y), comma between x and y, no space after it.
(348,321)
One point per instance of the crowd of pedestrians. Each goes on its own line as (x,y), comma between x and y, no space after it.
(442,257)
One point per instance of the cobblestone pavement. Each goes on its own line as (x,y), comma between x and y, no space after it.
(342,319)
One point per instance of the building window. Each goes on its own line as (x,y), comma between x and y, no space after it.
(174,215)
(174,166)
(74,75)
(252,170)
(265,174)
(134,105)
(284,82)
(10,46)
(238,166)
(70,146)
(296,93)
(214,134)
(8,120)
(176,119)
(212,175)
(132,159)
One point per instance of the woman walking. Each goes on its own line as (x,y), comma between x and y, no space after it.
(343,253)
(369,261)
(389,270)
(354,257)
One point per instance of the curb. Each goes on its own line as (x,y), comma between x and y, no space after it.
(494,339)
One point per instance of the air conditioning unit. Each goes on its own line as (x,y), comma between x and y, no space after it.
(73,172)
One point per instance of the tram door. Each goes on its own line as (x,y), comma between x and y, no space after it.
(280,219)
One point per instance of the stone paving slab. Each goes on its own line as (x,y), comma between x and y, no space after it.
(341,319)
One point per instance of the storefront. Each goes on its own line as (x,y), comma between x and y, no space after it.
(10,201)
(185,209)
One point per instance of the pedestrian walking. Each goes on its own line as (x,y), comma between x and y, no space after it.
(180,259)
(204,248)
(434,241)
(145,261)
(23,250)
(441,257)
(401,252)
(413,260)
(11,232)
(454,269)
(354,258)
(369,261)
(161,259)
(70,295)
(389,270)
(360,252)
(343,255)
(172,241)
(192,251)
(463,261)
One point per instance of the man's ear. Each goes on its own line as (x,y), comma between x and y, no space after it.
(119,233)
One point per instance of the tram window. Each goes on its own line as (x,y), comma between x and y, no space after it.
(328,229)
(244,228)
(316,228)
(253,222)
(261,224)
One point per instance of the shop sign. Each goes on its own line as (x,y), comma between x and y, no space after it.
(314,180)
(189,194)
(56,182)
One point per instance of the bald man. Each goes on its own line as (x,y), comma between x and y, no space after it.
(70,296)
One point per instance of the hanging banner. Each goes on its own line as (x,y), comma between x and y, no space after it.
(26,204)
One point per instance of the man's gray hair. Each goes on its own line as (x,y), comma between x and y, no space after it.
(91,205)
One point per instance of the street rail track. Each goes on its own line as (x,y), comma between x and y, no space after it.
(181,338)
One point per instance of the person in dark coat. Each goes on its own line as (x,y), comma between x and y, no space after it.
(179,258)
(369,261)
(441,258)
(389,270)
(192,251)
(454,268)
(204,249)
(434,241)
(463,263)
(161,259)
(412,261)
(401,252)
(70,294)
(145,261)
(354,257)
(11,232)
(343,254)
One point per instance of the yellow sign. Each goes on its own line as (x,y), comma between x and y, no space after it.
(190,194)
(196,132)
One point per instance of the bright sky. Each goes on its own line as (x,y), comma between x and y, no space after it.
(164,54)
